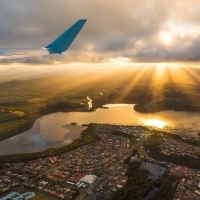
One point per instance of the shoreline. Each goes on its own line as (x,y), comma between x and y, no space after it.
(30,121)
(52,127)
(87,133)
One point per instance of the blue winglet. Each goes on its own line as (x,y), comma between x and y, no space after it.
(63,42)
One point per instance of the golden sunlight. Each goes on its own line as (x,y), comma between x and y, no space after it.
(119,61)
(155,123)
(166,38)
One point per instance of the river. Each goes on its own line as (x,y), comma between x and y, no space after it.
(55,130)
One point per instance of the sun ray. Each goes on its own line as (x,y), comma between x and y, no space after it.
(178,79)
(134,79)
(189,86)
(193,76)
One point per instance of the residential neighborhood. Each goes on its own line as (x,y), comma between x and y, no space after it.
(97,168)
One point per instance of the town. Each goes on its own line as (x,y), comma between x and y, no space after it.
(99,168)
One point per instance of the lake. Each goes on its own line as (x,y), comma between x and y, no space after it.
(155,170)
(56,130)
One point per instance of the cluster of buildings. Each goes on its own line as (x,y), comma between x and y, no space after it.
(132,130)
(97,167)
(34,167)
(80,168)
(9,179)
(189,186)
(51,188)
(17,196)
(30,174)
(103,158)
(171,146)
(106,158)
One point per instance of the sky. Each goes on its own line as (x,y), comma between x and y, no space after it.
(117,32)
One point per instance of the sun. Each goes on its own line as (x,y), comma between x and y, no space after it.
(166,37)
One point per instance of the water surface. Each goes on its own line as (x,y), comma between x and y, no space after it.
(155,170)
(55,130)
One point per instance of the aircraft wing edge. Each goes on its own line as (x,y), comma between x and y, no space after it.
(63,42)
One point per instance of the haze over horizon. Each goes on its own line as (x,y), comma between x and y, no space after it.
(132,33)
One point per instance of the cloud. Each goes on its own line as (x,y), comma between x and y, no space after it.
(131,29)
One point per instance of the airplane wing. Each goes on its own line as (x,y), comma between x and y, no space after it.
(58,46)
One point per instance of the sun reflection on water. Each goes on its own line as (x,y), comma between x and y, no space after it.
(155,123)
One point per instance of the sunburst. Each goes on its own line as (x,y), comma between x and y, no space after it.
(155,123)
(166,38)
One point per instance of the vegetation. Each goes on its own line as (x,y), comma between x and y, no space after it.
(10,114)
(155,152)
(166,190)
(189,141)
(22,102)
(137,185)
(168,97)
(193,142)
(39,96)
(132,138)
(134,152)
(20,118)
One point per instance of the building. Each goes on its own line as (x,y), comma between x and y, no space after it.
(89,179)
(17,196)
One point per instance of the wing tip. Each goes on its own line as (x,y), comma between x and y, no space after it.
(55,47)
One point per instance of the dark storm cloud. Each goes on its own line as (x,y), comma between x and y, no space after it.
(130,28)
